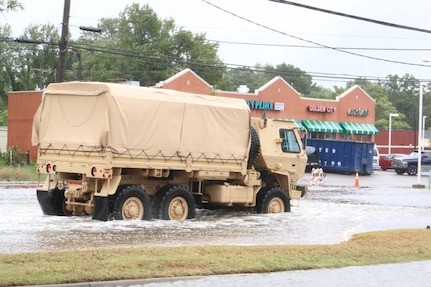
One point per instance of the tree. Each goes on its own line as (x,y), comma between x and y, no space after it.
(10,5)
(7,58)
(242,76)
(403,94)
(35,63)
(258,76)
(142,47)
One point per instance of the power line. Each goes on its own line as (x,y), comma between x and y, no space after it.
(353,16)
(313,42)
(318,47)
(106,51)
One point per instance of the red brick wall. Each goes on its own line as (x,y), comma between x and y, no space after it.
(402,141)
(21,108)
(189,82)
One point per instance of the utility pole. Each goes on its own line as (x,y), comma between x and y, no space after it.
(61,68)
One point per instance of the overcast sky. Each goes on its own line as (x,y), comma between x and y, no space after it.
(266,32)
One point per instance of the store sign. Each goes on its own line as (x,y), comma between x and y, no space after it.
(321,109)
(358,112)
(268,106)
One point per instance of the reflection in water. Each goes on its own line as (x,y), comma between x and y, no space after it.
(326,215)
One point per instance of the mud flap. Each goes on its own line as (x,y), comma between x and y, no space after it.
(101,209)
(45,202)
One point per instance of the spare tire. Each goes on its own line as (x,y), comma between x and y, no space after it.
(254,148)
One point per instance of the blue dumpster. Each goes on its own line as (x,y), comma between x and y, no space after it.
(344,156)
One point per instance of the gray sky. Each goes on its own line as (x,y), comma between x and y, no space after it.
(279,40)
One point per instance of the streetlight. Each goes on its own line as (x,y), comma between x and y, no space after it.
(423,132)
(390,127)
(419,185)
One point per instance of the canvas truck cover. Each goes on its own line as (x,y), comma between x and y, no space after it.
(137,121)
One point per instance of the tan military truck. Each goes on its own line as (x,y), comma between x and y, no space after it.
(121,152)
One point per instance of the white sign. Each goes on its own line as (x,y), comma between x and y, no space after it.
(279,106)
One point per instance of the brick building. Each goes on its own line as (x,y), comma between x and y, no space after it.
(350,116)
(21,108)
(402,141)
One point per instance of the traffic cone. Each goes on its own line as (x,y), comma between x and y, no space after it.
(357,180)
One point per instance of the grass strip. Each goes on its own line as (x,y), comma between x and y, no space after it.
(369,248)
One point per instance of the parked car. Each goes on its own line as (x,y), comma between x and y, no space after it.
(313,160)
(386,161)
(409,163)
(376,156)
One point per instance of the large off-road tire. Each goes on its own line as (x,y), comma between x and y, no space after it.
(272,200)
(132,203)
(52,202)
(254,148)
(412,169)
(400,171)
(157,200)
(177,203)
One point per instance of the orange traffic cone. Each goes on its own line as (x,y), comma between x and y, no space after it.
(357,180)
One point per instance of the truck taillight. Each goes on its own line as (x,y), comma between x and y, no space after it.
(93,171)
(107,173)
(48,167)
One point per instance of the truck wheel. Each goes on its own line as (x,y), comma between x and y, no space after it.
(158,197)
(177,203)
(412,169)
(254,148)
(272,200)
(52,202)
(399,171)
(132,203)
(58,202)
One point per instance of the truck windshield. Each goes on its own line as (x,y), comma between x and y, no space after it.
(289,142)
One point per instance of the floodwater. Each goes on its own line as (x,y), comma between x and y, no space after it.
(330,213)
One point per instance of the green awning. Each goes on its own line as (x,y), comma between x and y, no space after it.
(322,126)
(297,122)
(359,128)
(299,125)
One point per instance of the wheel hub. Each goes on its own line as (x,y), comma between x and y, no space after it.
(178,209)
(133,209)
(276,205)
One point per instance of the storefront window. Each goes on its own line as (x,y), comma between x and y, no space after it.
(322,136)
(356,137)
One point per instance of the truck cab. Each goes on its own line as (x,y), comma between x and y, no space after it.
(409,163)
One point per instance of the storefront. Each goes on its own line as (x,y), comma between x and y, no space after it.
(350,116)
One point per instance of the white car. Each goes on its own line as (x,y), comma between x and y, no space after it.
(376,156)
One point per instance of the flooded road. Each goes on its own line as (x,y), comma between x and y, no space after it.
(329,213)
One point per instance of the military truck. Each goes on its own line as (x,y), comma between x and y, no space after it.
(121,152)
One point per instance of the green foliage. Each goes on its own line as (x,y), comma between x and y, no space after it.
(3,117)
(139,46)
(403,93)
(14,157)
(15,165)
(10,5)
